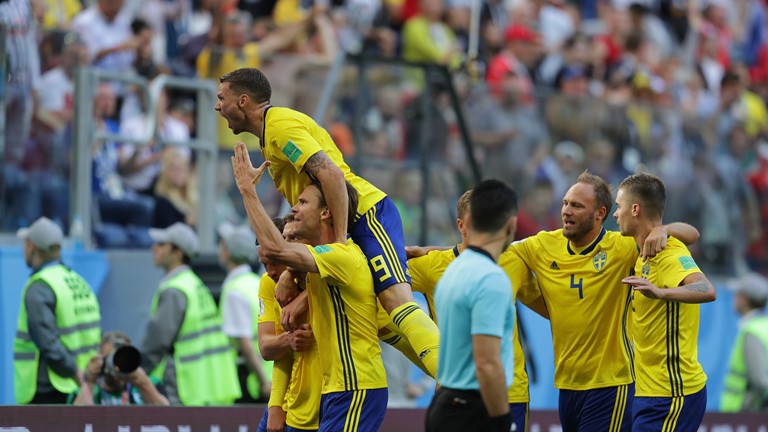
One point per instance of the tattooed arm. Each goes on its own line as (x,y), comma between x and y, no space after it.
(331,178)
(695,288)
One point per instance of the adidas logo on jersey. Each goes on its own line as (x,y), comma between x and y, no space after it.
(554,266)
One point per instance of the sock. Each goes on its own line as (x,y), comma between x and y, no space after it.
(421,332)
(398,340)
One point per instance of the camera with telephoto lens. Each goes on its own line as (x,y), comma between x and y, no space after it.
(123,360)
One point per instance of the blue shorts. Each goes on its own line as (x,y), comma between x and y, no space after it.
(519,417)
(263,425)
(608,409)
(351,411)
(379,233)
(672,414)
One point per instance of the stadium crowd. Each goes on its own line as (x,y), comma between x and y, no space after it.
(549,89)
(554,87)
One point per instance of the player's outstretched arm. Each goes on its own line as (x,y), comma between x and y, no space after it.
(657,239)
(271,241)
(695,288)
(331,179)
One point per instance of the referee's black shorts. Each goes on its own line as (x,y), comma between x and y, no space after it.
(460,411)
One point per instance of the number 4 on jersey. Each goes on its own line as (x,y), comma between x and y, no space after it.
(578,285)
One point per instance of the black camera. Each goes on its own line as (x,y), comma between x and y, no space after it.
(123,360)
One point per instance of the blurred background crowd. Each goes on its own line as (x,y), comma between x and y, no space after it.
(545,88)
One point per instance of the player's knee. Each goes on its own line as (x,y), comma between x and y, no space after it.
(395,295)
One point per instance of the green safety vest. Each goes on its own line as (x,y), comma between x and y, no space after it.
(78,324)
(735,389)
(204,361)
(248,285)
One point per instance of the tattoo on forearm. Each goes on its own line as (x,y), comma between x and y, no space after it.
(699,287)
(316,162)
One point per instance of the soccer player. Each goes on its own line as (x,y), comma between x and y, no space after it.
(300,152)
(671,392)
(294,403)
(342,304)
(477,296)
(579,271)
(426,271)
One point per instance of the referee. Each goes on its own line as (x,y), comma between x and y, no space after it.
(474,297)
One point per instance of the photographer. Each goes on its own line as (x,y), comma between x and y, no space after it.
(109,386)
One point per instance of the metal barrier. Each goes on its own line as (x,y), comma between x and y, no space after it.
(85,133)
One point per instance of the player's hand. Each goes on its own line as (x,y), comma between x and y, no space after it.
(275,419)
(286,289)
(292,312)
(245,174)
(302,339)
(644,287)
(655,242)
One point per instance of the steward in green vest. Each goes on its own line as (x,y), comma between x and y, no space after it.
(239,307)
(183,344)
(59,324)
(746,385)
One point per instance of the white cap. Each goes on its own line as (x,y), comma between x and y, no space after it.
(240,241)
(179,235)
(43,233)
(752,285)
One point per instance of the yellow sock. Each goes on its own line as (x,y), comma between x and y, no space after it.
(421,332)
(397,339)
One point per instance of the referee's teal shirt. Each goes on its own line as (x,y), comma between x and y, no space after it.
(474,297)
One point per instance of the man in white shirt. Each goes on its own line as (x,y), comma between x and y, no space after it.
(239,308)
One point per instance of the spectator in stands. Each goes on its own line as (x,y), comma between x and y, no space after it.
(746,385)
(183,342)
(23,73)
(59,325)
(239,306)
(140,164)
(123,216)
(426,38)
(105,27)
(109,387)
(176,190)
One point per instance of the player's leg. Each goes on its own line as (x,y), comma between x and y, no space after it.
(357,410)
(379,233)
(519,416)
(607,409)
(569,408)
(390,334)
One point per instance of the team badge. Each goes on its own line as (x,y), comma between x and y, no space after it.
(646,271)
(599,260)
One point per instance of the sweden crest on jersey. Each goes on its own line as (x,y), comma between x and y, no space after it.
(599,260)
(646,271)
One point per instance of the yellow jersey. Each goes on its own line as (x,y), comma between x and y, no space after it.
(302,399)
(426,270)
(214,63)
(290,138)
(589,307)
(666,333)
(343,316)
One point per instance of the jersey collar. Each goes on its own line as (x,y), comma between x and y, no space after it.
(589,248)
(264,126)
(456,251)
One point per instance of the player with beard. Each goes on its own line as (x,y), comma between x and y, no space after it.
(579,270)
